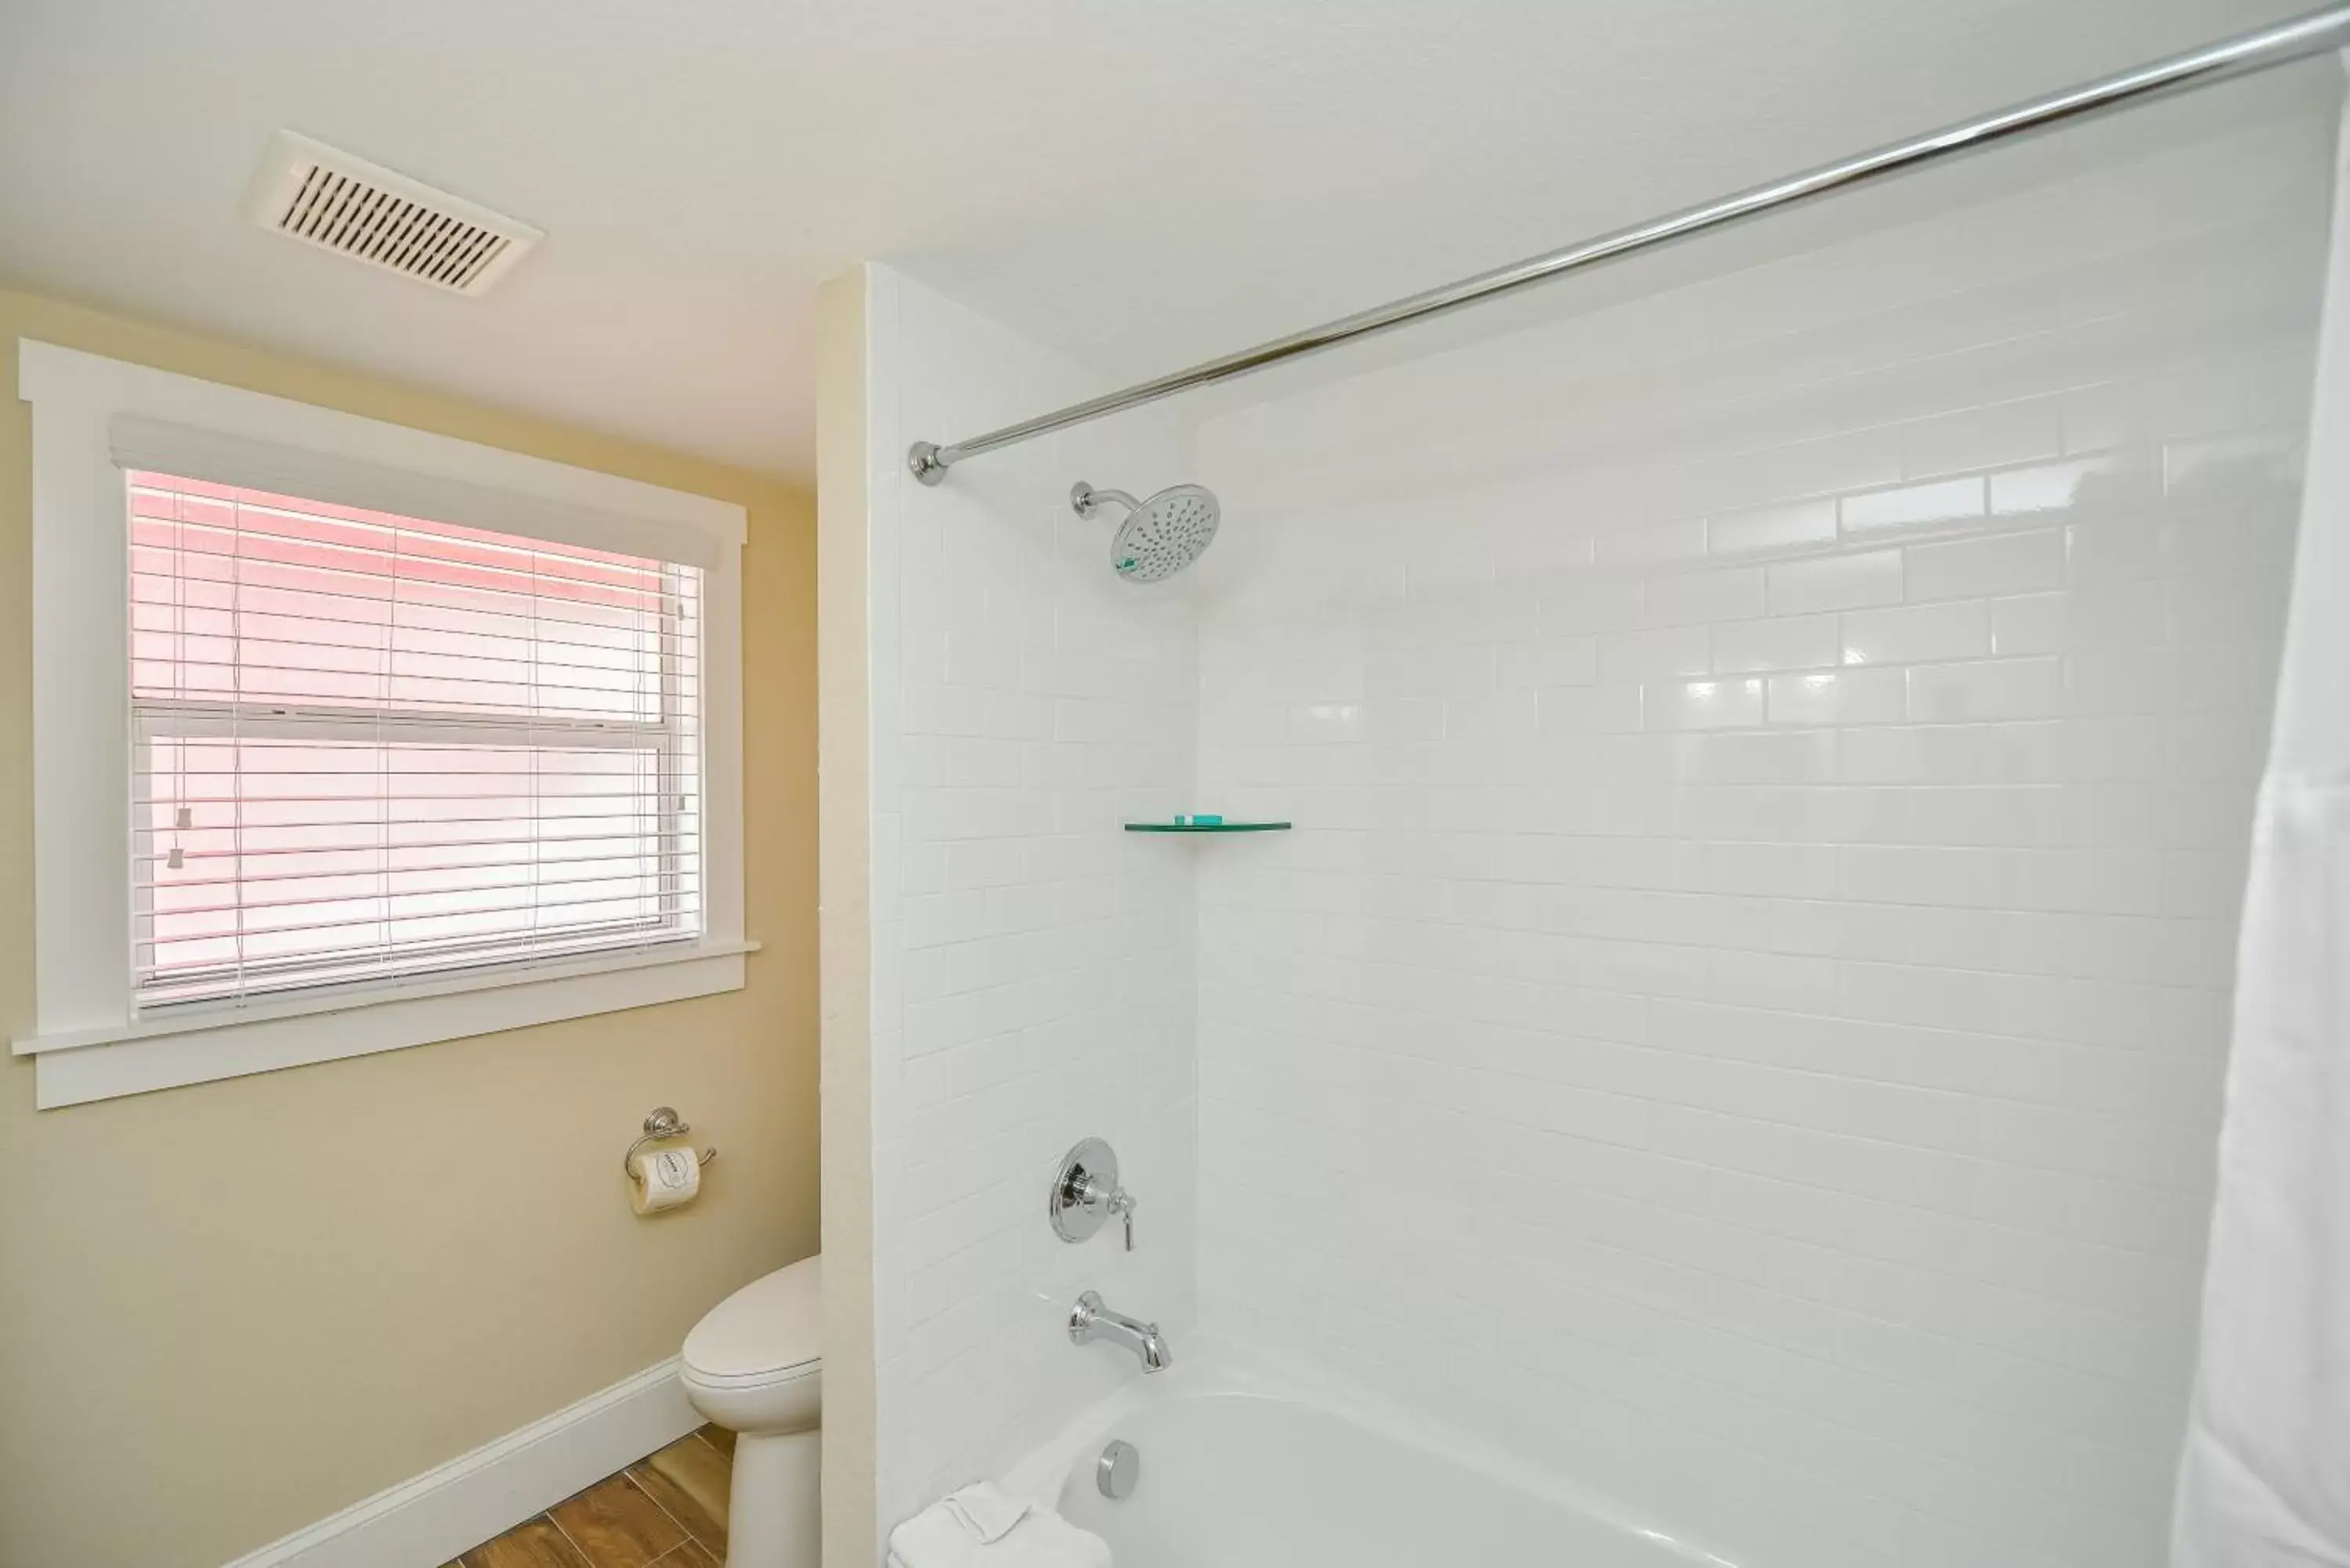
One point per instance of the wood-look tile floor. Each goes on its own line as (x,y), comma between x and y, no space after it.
(667,1507)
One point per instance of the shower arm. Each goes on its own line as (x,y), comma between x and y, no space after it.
(1084,499)
(2242,55)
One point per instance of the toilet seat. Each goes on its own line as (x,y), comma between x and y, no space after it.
(765,1335)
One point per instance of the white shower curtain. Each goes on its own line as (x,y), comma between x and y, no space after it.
(2264,1481)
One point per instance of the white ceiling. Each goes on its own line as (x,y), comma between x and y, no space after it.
(1143,183)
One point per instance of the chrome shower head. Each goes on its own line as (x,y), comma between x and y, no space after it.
(1160,536)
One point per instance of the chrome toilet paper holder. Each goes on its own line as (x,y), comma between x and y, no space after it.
(661,1122)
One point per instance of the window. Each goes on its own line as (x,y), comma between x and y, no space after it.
(366,745)
(348,737)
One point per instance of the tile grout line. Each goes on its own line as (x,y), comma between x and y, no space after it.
(576,1550)
(701,1435)
(628,1475)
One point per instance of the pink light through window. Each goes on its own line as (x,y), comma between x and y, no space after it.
(371,745)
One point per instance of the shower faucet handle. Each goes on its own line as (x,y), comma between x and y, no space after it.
(1117,1200)
(1085,1192)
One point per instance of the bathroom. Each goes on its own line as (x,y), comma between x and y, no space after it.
(880,836)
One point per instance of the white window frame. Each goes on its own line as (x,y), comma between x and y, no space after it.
(95,418)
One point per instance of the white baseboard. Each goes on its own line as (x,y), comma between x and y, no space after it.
(428,1521)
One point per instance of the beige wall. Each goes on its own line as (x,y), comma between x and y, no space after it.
(230,1310)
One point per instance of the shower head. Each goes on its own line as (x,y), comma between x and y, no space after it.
(1160,536)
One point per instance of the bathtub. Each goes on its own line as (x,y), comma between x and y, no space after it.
(1236,1477)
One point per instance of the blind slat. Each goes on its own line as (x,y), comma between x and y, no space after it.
(683,862)
(358,965)
(395,883)
(255,921)
(452,708)
(204,721)
(258,591)
(240,641)
(399,846)
(305,633)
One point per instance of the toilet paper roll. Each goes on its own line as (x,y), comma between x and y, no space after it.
(663,1178)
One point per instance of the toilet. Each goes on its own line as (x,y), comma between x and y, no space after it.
(753,1366)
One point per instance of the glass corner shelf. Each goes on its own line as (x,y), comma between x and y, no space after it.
(1207,827)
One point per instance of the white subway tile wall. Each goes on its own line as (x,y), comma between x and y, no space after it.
(1034,981)
(1740,1025)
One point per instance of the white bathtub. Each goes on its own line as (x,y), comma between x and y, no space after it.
(1234,1479)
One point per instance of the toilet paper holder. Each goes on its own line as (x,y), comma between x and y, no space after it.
(661,1122)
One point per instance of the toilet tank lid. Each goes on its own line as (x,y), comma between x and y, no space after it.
(769,1324)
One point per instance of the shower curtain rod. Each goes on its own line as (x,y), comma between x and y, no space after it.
(2243,55)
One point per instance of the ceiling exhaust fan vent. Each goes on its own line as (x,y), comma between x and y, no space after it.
(326,198)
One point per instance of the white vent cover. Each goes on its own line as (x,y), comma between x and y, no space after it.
(338,203)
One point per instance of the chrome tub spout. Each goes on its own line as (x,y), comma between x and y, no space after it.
(1089,1320)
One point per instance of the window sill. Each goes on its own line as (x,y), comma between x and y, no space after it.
(195,1045)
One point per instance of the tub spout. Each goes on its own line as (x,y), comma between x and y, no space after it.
(1089,1319)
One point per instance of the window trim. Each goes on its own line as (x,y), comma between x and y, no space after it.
(92,418)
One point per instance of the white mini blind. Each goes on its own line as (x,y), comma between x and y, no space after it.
(368,746)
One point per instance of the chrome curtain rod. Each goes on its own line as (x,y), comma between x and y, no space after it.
(2230,57)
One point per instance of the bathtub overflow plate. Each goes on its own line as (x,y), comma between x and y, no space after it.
(1119,1467)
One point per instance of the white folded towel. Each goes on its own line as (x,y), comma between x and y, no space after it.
(985,1511)
(979,1527)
